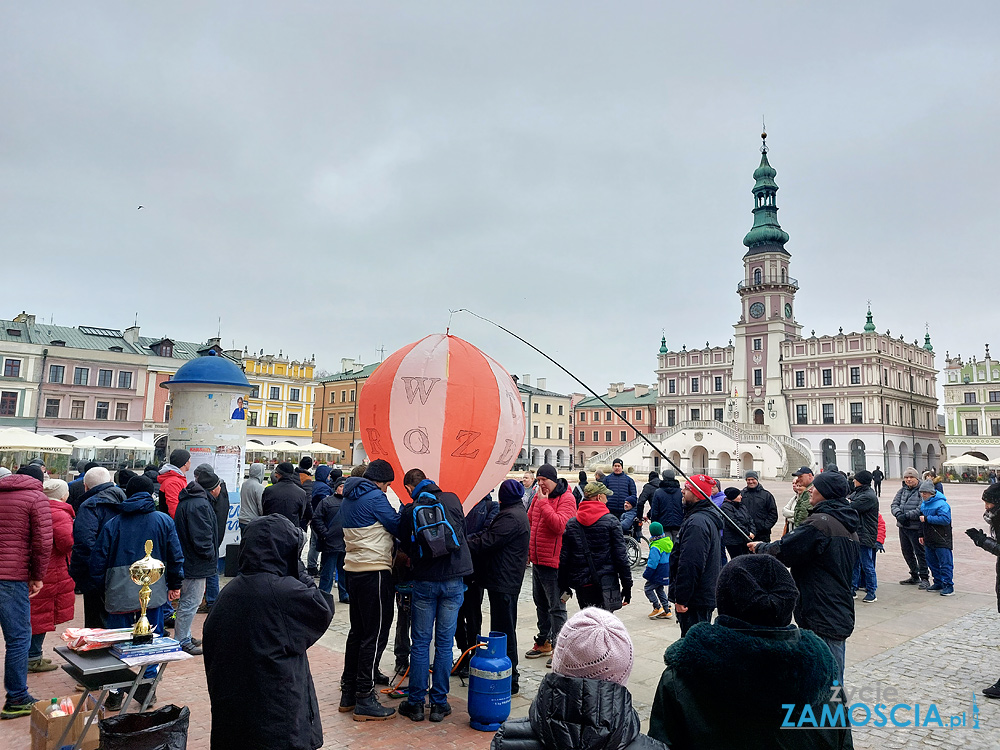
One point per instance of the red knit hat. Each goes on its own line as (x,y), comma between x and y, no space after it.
(702,485)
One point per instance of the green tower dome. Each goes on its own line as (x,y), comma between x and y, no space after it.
(663,344)
(766,235)
(869,325)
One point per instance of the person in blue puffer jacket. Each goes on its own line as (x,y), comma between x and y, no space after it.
(623,487)
(668,507)
(657,572)
(935,517)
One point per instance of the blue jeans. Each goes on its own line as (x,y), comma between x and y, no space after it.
(15,622)
(211,590)
(434,612)
(312,557)
(333,570)
(941,561)
(864,570)
(192,590)
(656,595)
(35,649)
(839,651)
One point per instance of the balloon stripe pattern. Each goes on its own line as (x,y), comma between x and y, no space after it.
(443,406)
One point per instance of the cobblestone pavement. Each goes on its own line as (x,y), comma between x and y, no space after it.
(931,649)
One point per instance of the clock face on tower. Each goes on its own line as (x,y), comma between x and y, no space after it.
(757,310)
(788,310)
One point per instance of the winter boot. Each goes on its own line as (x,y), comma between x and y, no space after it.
(993,691)
(368,708)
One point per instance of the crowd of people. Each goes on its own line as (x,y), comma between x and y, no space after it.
(429,563)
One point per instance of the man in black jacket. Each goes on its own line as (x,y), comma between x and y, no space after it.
(821,554)
(256,639)
(865,502)
(667,506)
(646,496)
(697,555)
(500,554)
(198,531)
(221,505)
(761,505)
(470,616)
(328,530)
(877,477)
(287,497)
(440,559)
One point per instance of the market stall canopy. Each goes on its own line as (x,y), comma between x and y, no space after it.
(131,444)
(86,443)
(16,439)
(258,448)
(286,447)
(320,448)
(966,460)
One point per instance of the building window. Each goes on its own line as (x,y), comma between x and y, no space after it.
(597,417)
(333,400)
(596,436)
(251,419)
(166,414)
(352,395)
(827,413)
(801,414)
(855,376)
(272,419)
(857,413)
(671,386)
(534,430)
(970,398)
(607,436)
(121,412)
(104,378)
(638,415)
(758,377)
(548,432)
(275,393)
(583,437)
(52,408)
(293,394)
(827,377)
(800,378)
(694,385)
(255,391)
(718,415)
(560,433)
(696,414)
(76,409)
(343,397)
(607,416)
(758,344)
(330,423)
(718,384)
(124,380)
(8,404)
(80,375)
(994,396)
(293,421)
(12,368)
(623,436)
(995,427)
(103,407)
(885,377)
(343,423)
(560,410)
(971,426)
(756,276)
(671,417)
(56,373)
(534,407)
(548,408)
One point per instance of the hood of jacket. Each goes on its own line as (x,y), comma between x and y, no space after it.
(356,488)
(562,487)
(256,472)
(706,506)
(323,473)
(574,712)
(170,468)
(194,490)
(669,484)
(105,494)
(591,511)
(763,667)
(838,508)
(271,545)
(140,502)
(933,502)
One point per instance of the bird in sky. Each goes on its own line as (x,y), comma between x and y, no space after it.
(139,209)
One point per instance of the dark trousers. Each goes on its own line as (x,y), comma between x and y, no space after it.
(878,488)
(693,616)
(371,618)
(401,646)
(735,550)
(470,619)
(503,619)
(94,614)
(913,552)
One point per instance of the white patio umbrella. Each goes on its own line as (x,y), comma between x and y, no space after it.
(967,460)
(16,439)
(258,448)
(286,447)
(86,443)
(314,448)
(131,444)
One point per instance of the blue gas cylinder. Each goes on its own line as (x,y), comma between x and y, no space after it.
(489,684)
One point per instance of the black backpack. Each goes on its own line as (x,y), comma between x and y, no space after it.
(432,531)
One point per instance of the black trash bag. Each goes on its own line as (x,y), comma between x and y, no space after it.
(163,729)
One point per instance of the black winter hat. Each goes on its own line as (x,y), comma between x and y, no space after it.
(123,477)
(757,589)
(138,484)
(831,484)
(179,457)
(731,492)
(618,461)
(305,464)
(990,495)
(583,477)
(548,471)
(335,474)
(209,480)
(32,470)
(285,469)
(865,477)
(654,475)
(380,471)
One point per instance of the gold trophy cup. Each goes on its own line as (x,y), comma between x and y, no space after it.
(145,572)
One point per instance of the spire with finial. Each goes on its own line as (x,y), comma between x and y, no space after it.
(869,325)
(663,344)
(766,235)
(927,338)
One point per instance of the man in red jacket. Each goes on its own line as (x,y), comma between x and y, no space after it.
(552,506)
(173,479)
(25,548)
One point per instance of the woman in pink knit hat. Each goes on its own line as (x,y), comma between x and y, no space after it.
(584,703)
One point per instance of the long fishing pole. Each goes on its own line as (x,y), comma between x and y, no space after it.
(621,416)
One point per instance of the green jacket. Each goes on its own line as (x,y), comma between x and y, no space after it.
(802,507)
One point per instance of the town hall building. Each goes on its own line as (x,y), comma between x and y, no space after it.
(774,399)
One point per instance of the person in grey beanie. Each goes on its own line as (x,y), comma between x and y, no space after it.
(906,510)
(761,505)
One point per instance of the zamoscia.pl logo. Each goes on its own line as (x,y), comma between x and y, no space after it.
(874,706)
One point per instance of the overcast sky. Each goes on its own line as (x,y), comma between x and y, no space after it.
(332,177)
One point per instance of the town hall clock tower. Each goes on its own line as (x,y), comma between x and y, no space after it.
(767,296)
